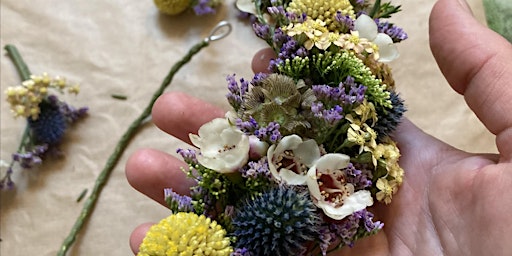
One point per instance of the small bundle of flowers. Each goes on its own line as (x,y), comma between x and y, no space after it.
(293,168)
(175,7)
(47,119)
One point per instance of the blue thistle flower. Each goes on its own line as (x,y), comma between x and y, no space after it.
(50,126)
(279,222)
(390,118)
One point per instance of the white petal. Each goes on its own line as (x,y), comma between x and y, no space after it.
(292,178)
(246,6)
(355,202)
(314,189)
(196,140)
(366,27)
(257,147)
(387,49)
(271,166)
(308,152)
(289,142)
(332,161)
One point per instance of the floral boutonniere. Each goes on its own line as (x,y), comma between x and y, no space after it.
(47,116)
(293,168)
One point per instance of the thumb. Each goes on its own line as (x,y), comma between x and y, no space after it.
(476,62)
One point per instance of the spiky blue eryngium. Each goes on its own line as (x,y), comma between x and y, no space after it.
(389,120)
(279,222)
(50,126)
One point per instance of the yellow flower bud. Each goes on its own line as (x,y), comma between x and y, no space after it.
(172,7)
(74,89)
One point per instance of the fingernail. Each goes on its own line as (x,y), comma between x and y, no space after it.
(465,6)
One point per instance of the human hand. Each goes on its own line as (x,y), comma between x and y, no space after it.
(451,202)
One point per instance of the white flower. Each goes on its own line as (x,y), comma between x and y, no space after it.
(246,6)
(223,147)
(258,148)
(367,28)
(290,159)
(330,191)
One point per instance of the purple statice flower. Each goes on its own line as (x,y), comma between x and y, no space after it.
(296,18)
(258,77)
(188,155)
(30,158)
(256,169)
(248,126)
(6,182)
(241,252)
(203,7)
(353,227)
(177,202)
(360,178)
(345,22)
(331,116)
(236,91)
(276,11)
(396,33)
(268,133)
(289,50)
(326,237)
(366,218)
(262,31)
(279,37)
(339,95)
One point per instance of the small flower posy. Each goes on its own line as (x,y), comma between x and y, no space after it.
(47,120)
(306,150)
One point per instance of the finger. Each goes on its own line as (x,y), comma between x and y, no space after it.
(261,60)
(476,62)
(138,235)
(150,171)
(180,114)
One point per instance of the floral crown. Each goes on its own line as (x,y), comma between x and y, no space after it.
(293,168)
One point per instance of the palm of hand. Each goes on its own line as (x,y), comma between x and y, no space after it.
(451,202)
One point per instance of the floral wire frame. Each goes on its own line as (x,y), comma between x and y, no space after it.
(306,150)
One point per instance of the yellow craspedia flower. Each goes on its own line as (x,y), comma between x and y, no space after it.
(172,7)
(185,233)
(324,10)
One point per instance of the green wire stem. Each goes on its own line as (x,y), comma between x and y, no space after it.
(20,65)
(24,74)
(127,136)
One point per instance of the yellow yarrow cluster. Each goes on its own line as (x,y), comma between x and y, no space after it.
(185,234)
(319,30)
(388,184)
(25,98)
(324,10)
(359,133)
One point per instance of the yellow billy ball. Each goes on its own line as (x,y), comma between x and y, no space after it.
(172,7)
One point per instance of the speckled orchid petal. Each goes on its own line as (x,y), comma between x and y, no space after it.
(354,201)
(223,148)
(300,153)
